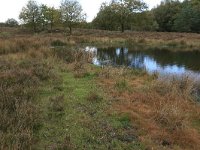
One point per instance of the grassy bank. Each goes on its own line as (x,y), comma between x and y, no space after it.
(139,40)
(134,40)
(53,103)
(55,99)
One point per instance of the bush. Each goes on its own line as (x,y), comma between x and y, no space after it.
(19,87)
(19,114)
(58,43)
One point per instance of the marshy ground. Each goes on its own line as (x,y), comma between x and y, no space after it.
(53,98)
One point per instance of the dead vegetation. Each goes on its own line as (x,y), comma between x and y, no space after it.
(140,40)
(163,111)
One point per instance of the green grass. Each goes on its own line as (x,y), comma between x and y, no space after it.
(84,123)
(196,124)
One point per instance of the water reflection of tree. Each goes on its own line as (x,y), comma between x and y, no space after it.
(121,56)
(190,60)
(135,59)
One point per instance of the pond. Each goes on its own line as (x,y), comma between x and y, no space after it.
(161,61)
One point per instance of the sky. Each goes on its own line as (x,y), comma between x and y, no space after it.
(12,8)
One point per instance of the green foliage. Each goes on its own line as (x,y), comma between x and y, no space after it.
(49,17)
(106,18)
(30,14)
(165,14)
(188,20)
(118,14)
(71,13)
(170,16)
(11,22)
(124,10)
(178,16)
(39,17)
(144,21)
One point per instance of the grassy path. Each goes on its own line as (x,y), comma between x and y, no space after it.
(76,117)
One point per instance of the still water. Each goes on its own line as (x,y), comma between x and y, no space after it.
(162,61)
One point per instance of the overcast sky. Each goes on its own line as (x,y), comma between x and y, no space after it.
(12,8)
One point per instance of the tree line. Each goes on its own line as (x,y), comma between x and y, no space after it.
(41,17)
(169,16)
(178,16)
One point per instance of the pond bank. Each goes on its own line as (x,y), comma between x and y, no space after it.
(56,99)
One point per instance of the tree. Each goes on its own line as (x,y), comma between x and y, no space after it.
(106,18)
(54,17)
(124,9)
(144,21)
(49,16)
(30,14)
(71,13)
(166,13)
(11,22)
(188,20)
(44,16)
(118,14)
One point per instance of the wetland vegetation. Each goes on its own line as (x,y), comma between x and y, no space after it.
(113,84)
(53,97)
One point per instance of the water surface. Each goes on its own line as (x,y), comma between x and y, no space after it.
(162,61)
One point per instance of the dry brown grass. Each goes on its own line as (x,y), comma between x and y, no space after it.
(161,110)
(148,40)
(170,40)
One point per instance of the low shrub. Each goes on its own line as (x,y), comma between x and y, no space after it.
(19,113)
(58,43)
(20,82)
